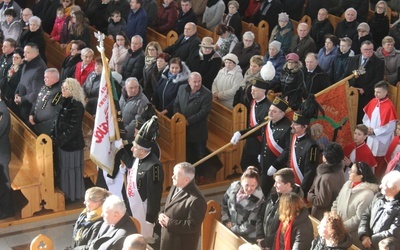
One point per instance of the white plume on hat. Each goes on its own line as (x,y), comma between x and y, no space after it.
(268,71)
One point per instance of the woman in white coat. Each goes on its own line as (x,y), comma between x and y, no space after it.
(355,196)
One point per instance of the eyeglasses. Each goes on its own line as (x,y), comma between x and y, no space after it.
(151,49)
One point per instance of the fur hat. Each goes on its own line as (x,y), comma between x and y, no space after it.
(276,44)
(333,153)
(363,26)
(231,57)
(283,17)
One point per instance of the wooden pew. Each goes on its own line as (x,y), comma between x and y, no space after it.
(315,222)
(304,19)
(172,142)
(31,169)
(334,20)
(54,54)
(108,44)
(262,36)
(222,124)
(214,235)
(42,242)
(203,32)
(163,40)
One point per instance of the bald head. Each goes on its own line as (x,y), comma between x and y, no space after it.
(134,242)
(302,30)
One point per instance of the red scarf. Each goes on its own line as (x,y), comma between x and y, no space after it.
(287,236)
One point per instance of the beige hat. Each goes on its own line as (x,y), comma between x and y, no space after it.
(363,26)
(231,57)
(207,42)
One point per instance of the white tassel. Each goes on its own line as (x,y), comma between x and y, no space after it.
(268,71)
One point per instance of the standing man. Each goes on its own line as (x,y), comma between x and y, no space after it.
(185,208)
(47,105)
(374,72)
(134,61)
(9,45)
(304,152)
(315,79)
(6,202)
(302,43)
(186,14)
(348,26)
(32,80)
(145,179)
(187,45)
(137,20)
(194,102)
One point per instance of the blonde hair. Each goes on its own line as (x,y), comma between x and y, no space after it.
(257,59)
(97,194)
(75,89)
(290,205)
(154,44)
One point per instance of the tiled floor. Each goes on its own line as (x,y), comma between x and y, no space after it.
(59,229)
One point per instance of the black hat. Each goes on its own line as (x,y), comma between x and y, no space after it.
(300,119)
(333,153)
(280,104)
(148,133)
(259,83)
(309,109)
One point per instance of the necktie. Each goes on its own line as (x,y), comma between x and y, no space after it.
(364,61)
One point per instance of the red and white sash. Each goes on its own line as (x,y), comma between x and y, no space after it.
(273,146)
(298,175)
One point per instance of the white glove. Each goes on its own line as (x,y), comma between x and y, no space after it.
(118,144)
(236,137)
(109,180)
(259,158)
(122,169)
(271,171)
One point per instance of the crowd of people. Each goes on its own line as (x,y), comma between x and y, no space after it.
(284,167)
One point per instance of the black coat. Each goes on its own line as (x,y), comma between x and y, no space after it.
(319,30)
(68,133)
(133,65)
(236,23)
(271,16)
(185,50)
(208,66)
(379,25)
(339,66)
(315,81)
(183,19)
(195,108)
(68,66)
(346,29)
(244,54)
(36,38)
(357,41)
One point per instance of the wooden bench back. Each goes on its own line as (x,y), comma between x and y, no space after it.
(222,124)
(203,32)
(54,54)
(108,44)
(163,40)
(334,21)
(214,234)
(42,242)
(305,19)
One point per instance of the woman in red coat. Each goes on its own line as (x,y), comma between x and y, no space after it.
(85,67)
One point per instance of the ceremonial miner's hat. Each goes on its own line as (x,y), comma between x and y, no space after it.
(280,104)
(147,133)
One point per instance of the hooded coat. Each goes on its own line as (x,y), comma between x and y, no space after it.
(226,83)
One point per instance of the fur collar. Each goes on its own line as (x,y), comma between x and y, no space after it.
(326,168)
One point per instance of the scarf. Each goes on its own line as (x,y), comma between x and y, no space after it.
(287,236)
(86,220)
(211,3)
(149,60)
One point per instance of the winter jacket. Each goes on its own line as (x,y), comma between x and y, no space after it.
(81,75)
(11,30)
(302,47)
(339,66)
(213,15)
(325,60)
(69,65)
(326,187)
(118,57)
(315,81)
(351,203)
(379,25)
(244,54)
(318,31)
(167,17)
(226,83)
(208,66)
(283,35)
(392,64)
(346,29)
(290,79)
(115,28)
(56,32)
(183,19)
(133,65)
(357,41)
(278,61)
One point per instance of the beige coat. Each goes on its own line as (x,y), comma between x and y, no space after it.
(226,84)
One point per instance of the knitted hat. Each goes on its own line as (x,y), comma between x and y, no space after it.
(283,17)
(276,44)
(207,42)
(148,133)
(363,26)
(268,71)
(259,83)
(293,57)
(231,57)
(333,153)
(280,104)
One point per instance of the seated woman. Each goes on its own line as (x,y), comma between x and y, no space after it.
(226,40)
(150,87)
(381,219)
(89,221)
(241,204)
(327,53)
(331,233)
(64,32)
(83,68)
(79,29)
(246,49)
(173,76)
(151,53)
(34,35)
(283,32)
(233,18)
(295,230)
(379,22)
(329,180)
(391,56)
(354,197)
(228,81)
(119,52)
(69,65)
(91,87)
(291,78)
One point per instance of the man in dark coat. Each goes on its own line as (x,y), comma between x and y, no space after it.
(47,105)
(194,102)
(304,152)
(137,20)
(320,27)
(374,72)
(186,15)
(268,12)
(268,216)
(6,203)
(302,43)
(134,61)
(347,27)
(32,79)
(185,208)
(8,48)
(151,8)
(116,227)
(187,45)
(315,80)
(340,62)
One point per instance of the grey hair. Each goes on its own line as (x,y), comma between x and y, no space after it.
(85,51)
(139,37)
(35,19)
(392,179)
(114,203)
(131,79)
(187,169)
(249,34)
(53,71)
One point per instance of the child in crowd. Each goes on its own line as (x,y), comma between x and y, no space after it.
(394,146)
(58,24)
(358,150)
(380,118)
(116,25)
(11,26)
